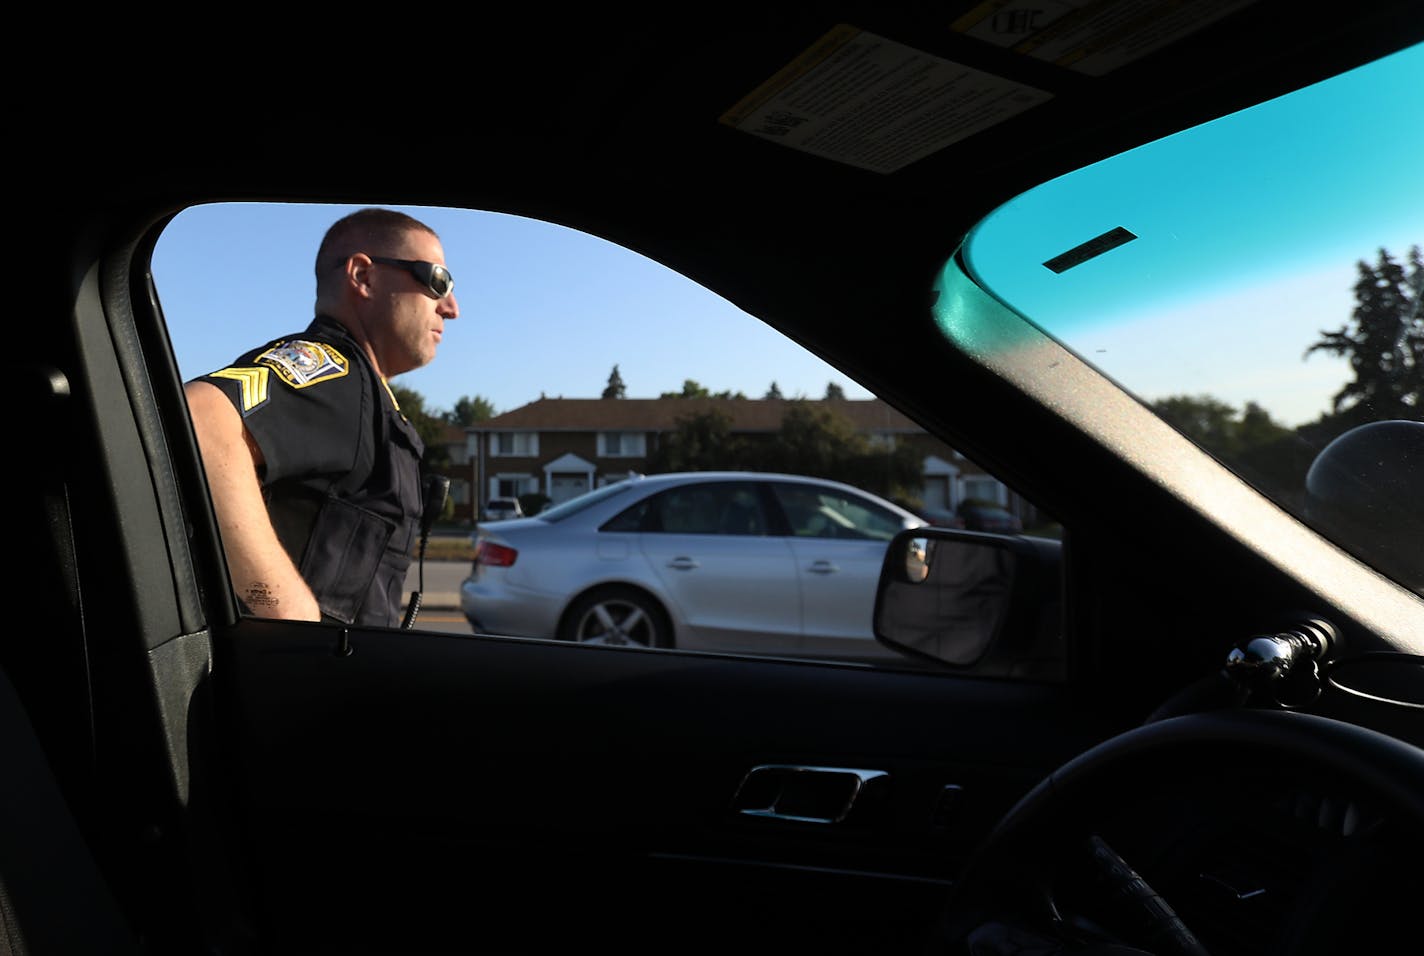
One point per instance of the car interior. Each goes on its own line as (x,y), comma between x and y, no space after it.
(1196,728)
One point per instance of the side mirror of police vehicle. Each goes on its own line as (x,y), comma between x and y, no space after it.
(982,603)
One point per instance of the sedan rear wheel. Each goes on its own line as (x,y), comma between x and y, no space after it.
(621,617)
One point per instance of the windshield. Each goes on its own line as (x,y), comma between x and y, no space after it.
(1257,282)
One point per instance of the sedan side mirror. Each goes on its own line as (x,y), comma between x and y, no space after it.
(984,603)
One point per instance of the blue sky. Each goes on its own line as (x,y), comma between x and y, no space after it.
(543,309)
(549,310)
(1249,229)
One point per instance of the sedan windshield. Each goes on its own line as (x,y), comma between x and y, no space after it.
(1257,282)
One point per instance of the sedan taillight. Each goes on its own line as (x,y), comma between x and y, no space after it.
(494,555)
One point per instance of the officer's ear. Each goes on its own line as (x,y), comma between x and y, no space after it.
(357,273)
(358,269)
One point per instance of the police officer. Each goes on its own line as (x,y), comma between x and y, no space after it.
(313,470)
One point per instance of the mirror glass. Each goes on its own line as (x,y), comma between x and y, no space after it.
(951,599)
(988,603)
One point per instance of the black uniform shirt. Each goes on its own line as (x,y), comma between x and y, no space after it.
(342,471)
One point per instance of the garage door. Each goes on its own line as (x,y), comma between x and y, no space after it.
(564,487)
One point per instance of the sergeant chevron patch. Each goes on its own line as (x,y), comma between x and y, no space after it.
(253,382)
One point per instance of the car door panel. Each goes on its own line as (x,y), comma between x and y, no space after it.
(838,580)
(838,541)
(474,781)
(699,571)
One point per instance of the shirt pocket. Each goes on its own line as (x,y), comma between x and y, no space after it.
(343,555)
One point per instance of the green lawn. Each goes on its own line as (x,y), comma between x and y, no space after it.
(449,549)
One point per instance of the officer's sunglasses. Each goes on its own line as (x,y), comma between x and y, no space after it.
(436,278)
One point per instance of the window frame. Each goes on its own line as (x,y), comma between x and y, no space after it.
(638,439)
(530,439)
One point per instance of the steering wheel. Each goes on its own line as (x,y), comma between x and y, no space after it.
(1266,832)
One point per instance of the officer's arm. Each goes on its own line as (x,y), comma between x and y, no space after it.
(263,574)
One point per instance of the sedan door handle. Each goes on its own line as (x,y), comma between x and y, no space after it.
(682,564)
(824,567)
(805,794)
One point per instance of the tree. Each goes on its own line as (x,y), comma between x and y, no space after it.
(1217,426)
(1262,450)
(469,410)
(774,393)
(430,428)
(1270,455)
(813,440)
(821,442)
(1384,343)
(690,389)
(693,389)
(701,442)
(1258,428)
(834,392)
(615,388)
(1209,422)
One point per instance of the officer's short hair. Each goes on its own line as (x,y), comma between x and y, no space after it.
(372,230)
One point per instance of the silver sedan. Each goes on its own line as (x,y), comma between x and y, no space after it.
(730,561)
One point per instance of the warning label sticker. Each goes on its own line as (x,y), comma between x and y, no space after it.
(869,102)
(1090,36)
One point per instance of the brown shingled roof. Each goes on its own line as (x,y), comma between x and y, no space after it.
(662,414)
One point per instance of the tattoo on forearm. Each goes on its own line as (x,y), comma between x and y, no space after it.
(260,595)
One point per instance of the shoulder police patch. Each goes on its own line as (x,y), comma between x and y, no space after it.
(301,362)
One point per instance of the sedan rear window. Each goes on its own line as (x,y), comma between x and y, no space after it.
(574,505)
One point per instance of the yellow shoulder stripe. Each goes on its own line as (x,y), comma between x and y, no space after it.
(253,382)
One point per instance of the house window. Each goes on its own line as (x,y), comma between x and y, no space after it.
(622,444)
(882,441)
(515,444)
(512,486)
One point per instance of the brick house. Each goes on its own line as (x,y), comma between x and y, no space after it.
(562,447)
